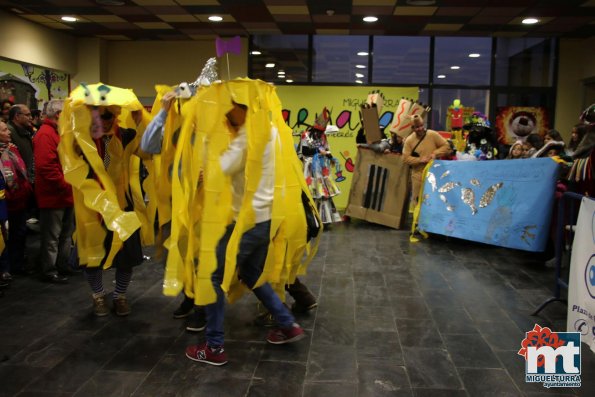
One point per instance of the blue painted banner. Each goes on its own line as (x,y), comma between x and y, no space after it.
(502,202)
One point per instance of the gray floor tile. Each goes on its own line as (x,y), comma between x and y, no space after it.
(441,317)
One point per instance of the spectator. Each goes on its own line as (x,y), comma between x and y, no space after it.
(54,199)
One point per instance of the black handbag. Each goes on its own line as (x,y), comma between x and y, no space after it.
(312,220)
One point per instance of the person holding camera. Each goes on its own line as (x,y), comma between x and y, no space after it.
(419,149)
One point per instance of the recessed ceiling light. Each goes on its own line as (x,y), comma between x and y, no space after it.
(421,2)
(269,65)
(110,2)
(281,74)
(455,67)
(68,19)
(359,75)
(530,21)
(359,82)
(474,55)
(441,76)
(256,53)
(289,81)
(362,54)
(215,18)
(360,66)
(370,19)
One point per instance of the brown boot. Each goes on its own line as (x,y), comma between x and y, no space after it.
(99,306)
(121,306)
(304,299)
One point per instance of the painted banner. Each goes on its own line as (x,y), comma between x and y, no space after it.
(581,285)
(506,202)
(301,105)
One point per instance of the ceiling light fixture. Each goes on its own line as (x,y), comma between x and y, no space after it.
(359,82)
(455,67)
(215,18)
(441,76)
(421,2)
(255,53)
(370,19)
(289,81)
(362,54)
(359,75)
(269,65)
(68,19)
(474,55)
(360,66)
(530,21)
(110,2)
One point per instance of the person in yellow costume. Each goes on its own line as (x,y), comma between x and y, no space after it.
(257,230)
(100,161)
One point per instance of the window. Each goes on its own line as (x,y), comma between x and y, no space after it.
(336,59)
(443,98)
(525,62)
(278,59)
(401,60)
(462,60)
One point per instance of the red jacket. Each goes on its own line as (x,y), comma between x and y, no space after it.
(51,190)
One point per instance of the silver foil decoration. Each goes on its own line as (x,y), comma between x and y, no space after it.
(450,208)
(208,75)
(448,186)
(468,197)
(432,179)
(425,198)
(488,196)
(475,182)
(446,173)
(443,198)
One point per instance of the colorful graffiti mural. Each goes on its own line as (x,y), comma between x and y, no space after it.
(302,105)
(30,84)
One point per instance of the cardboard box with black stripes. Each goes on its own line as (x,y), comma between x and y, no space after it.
(379,188)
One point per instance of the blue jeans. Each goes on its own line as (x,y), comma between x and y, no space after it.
(250,261)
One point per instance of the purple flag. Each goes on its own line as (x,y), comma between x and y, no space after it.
(233,45)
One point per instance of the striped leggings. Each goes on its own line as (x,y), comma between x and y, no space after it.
(95,278)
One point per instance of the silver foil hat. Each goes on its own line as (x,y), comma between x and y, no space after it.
(207,76)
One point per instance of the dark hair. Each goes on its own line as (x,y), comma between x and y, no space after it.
(581,130)
(555,135)
(14,111)
(35,113)
(535,140)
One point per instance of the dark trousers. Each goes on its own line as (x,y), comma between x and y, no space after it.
(56,228)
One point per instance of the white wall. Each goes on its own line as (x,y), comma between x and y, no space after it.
(142,64)
(31,43)
(577,63)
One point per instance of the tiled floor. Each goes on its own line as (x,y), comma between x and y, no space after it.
(435,318)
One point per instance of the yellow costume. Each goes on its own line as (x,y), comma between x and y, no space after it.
(200,215)
(101,201)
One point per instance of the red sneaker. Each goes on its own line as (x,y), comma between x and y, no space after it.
(205,354)
(279,336)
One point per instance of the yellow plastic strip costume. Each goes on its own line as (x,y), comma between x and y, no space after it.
(208,207)
(105,196)
(417,209)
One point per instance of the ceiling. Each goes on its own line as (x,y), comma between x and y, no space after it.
(188,19)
